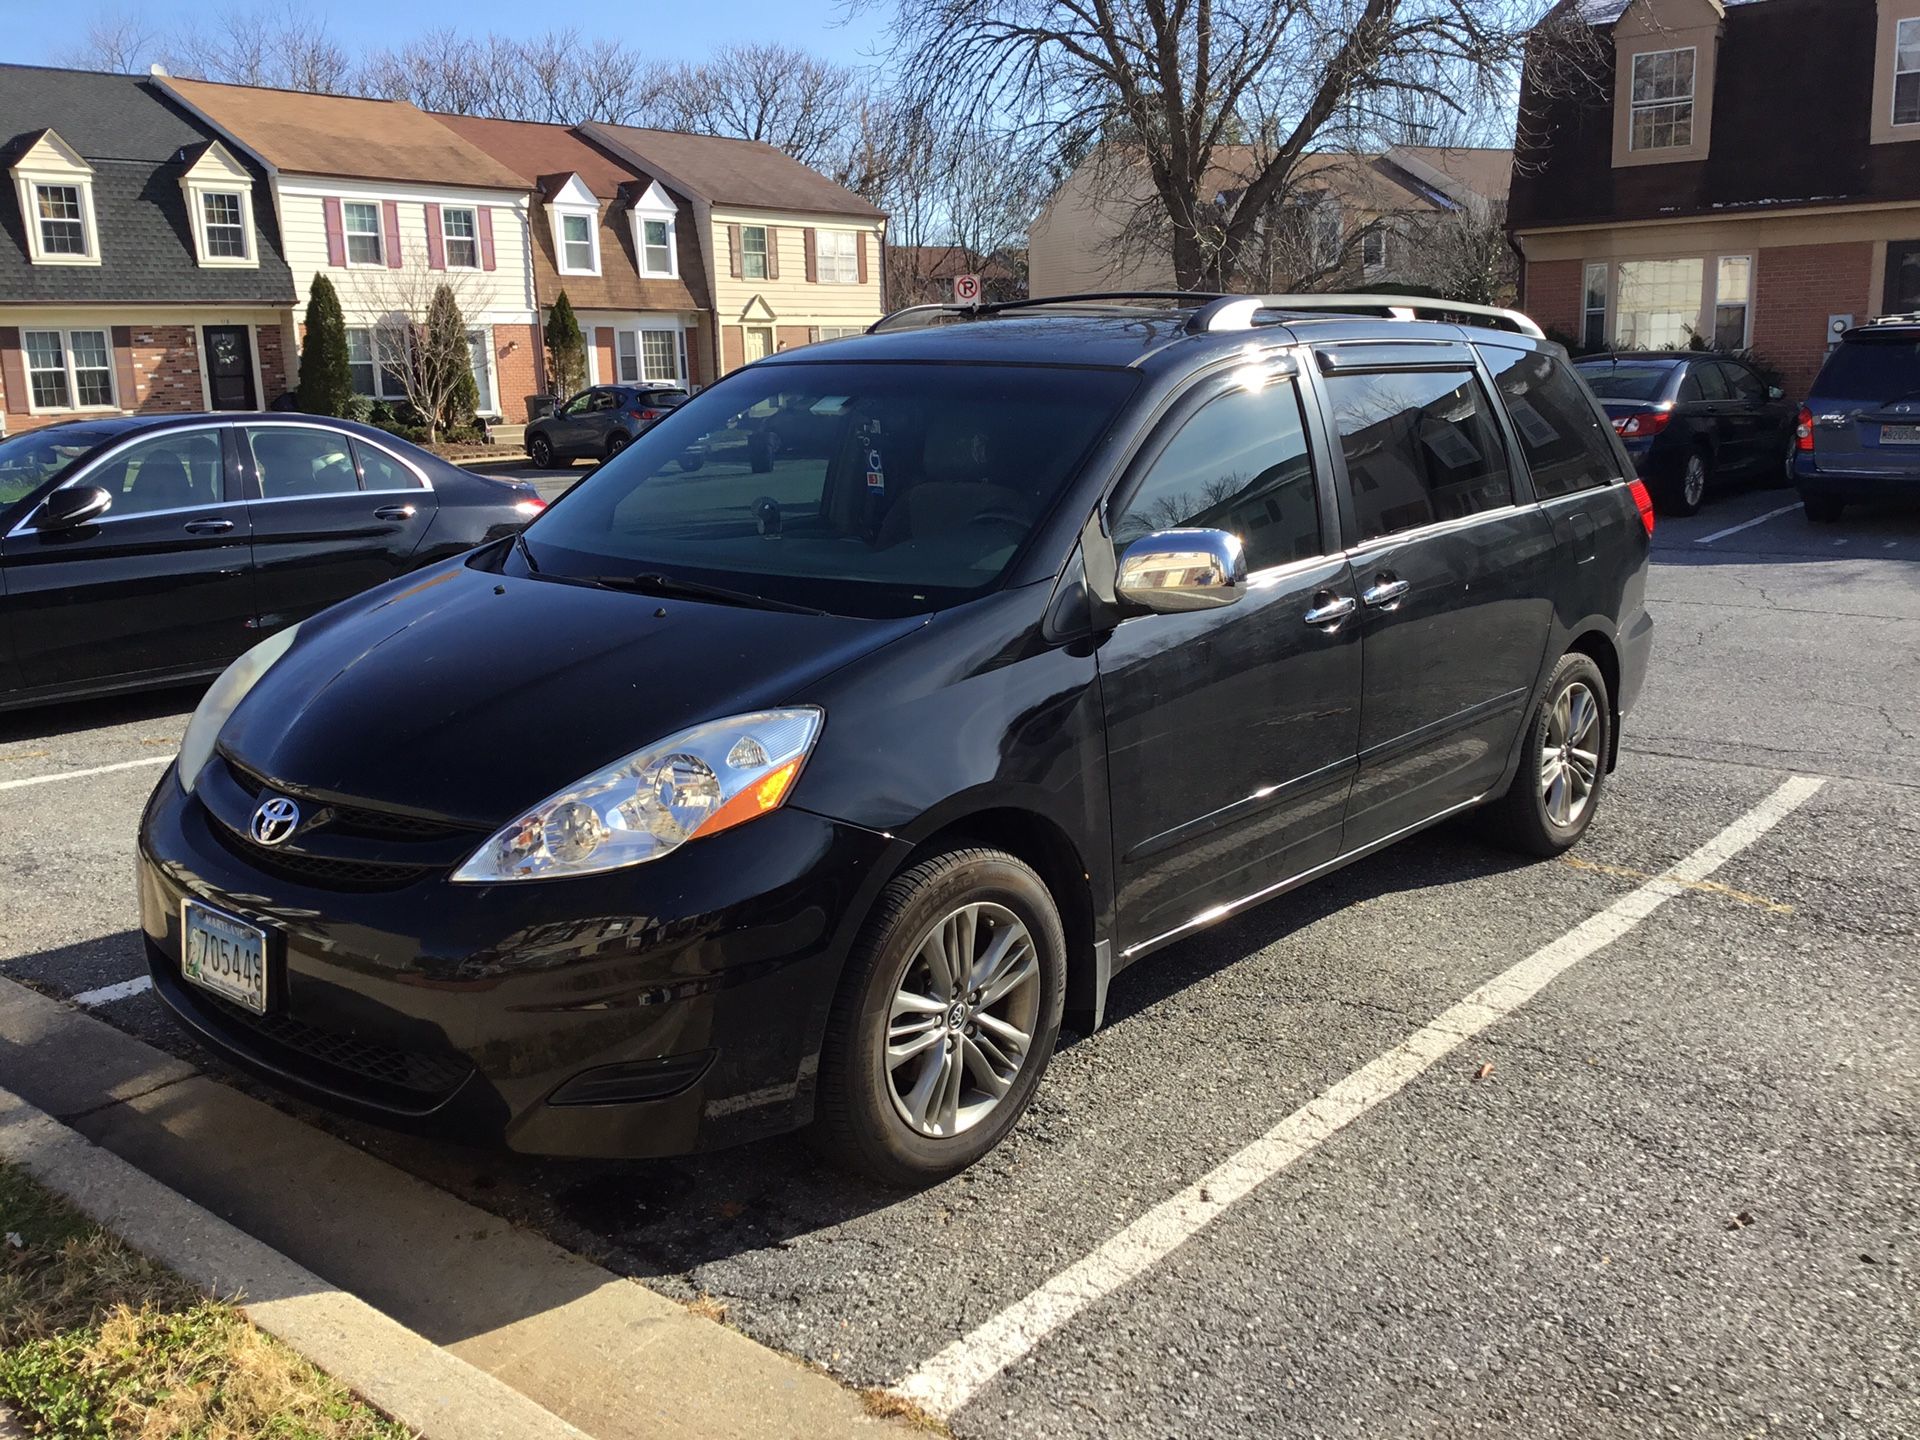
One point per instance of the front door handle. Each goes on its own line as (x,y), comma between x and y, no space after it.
(394,512)
(1386,591)
(207,527)
(1329,609)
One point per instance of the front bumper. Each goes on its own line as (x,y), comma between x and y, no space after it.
(666,1008)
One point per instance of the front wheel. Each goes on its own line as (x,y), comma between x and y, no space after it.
(945,1020)
(540,451)
(1563,764)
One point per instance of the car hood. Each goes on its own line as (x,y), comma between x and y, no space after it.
(469,696)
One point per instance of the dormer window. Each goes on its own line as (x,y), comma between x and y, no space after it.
(1662,100)
(656,254)
(654,229)
(576,245)
(226,230)
(219,196)
(54,186)
(573,213)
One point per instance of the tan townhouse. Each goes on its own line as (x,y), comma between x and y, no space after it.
(390,204)
(793,257)
(1743,175)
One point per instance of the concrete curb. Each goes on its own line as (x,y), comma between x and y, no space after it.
(422,1386)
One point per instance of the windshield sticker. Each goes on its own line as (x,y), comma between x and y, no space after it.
(876,472)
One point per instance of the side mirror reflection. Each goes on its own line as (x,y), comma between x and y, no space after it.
(73,505)
(1171,571)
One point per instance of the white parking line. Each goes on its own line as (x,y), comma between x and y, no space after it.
(21,784)
(957,1373)
(1747,524)
(107,994)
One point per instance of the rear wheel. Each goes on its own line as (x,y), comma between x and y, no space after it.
(1563,764)
(945,1021)
(1821,509)
(1685,489)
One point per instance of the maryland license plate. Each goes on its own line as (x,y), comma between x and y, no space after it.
(224,955)
(1900,434)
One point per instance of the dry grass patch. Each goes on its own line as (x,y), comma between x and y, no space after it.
(887,1405)
(96,1340)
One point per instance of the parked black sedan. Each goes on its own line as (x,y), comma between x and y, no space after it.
(144,551)
(598,423)
(1691,419)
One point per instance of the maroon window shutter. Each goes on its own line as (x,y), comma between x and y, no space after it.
(436,242)
(863,257)
(483,221)
(390,216)
(13,370)
(127,384)
(336,234)
(773,253)
(733,251)
(813,254)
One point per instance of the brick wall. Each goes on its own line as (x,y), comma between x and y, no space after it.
(1553,294)
(272,340)
(166,371)
(519,369)
(1796,287)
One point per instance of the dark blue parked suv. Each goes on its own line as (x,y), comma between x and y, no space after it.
(1858,436)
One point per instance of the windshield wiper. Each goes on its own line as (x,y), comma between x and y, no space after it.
(654,583)
(520,542)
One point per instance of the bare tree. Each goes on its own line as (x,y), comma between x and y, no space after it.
(398,304)
(1166,84)
(784,97)
(282,46)
(120,41)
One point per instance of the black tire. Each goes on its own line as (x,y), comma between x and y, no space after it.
(1684,488)
(1822,509)
(1520,819)
(690,463)
(856,1122)
(617,442)
(540,451)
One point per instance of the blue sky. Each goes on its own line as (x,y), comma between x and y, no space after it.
(38,32)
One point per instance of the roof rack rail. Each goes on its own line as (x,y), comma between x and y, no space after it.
(915,316)
(1910,318)
(1239,312)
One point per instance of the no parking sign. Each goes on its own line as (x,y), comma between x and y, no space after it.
(966,289)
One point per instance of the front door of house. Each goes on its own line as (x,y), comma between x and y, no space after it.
(759,342)
(1903,278)
(229,360)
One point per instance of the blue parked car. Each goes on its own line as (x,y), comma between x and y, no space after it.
(1858,437)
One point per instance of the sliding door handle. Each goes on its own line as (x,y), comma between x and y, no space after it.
(1386,591)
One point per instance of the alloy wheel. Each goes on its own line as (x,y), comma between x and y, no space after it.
(1694,486)
(962,1020)
(1570,755)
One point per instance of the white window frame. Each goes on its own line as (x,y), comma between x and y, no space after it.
(1745,304)
(371,362)
(381,340)
(845,255)
(203,227)
(1703,292)
(676,350)
(447,237)
(1691,100)
(489,393)
(766,246)
(52,163)
(1893,101)
(626,347)
(563,263)
(347,234)
(69,372)
(839,332)
(1587,309)
(647,267)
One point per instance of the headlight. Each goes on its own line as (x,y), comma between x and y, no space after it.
(699,782)
(196,746)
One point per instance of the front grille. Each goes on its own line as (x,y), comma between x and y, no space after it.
(356,820)
(319,871)
(431,1077)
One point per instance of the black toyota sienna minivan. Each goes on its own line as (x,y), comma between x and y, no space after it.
(756,786)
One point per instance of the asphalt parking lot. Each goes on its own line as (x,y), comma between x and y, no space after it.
(1674,1192)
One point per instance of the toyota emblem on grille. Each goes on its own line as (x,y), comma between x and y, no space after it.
(275,820)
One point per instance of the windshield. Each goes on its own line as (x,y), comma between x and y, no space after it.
(1626,380)
(28,461)
(858,489)
(1872,371)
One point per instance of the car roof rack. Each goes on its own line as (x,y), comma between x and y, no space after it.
(1911,318)
(1213,311)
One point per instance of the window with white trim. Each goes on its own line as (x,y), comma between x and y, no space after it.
(656,247)
(360,222)
(841,332)
(460,232)
(753,252)
(1593,308)
(223,224)
(62,220)
(1732,295)
(1657,305)
(360,365)
(577,248)
(1906,72)
(837,253)
(660,355)
(68,369)
(627,356)
(377,361)
(1662,100)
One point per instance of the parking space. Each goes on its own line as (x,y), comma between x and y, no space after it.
(1675,1191)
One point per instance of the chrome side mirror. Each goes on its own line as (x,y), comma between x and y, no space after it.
(73,505)
(1177,570)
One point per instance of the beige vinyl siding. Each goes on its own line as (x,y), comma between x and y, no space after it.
(792,300)
(503,295)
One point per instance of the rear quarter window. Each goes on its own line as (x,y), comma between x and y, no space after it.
(1872,370)
(1567,447)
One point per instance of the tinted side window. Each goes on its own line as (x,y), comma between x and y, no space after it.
(1713,380)
(380,471)
(1239,463)
(1420,448)
(298,462)
(169,472)
(1690,386)
(1566,444)
(1746,385)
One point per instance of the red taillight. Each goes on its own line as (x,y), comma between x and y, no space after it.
(1643,502)
(644,414)
(1639,426)
(1803,430)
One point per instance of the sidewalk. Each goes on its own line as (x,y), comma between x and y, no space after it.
(497,1309)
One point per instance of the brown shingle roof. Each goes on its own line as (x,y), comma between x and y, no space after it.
(342,135)
(733,172)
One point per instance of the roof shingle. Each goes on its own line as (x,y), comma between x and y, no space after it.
(725,171)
